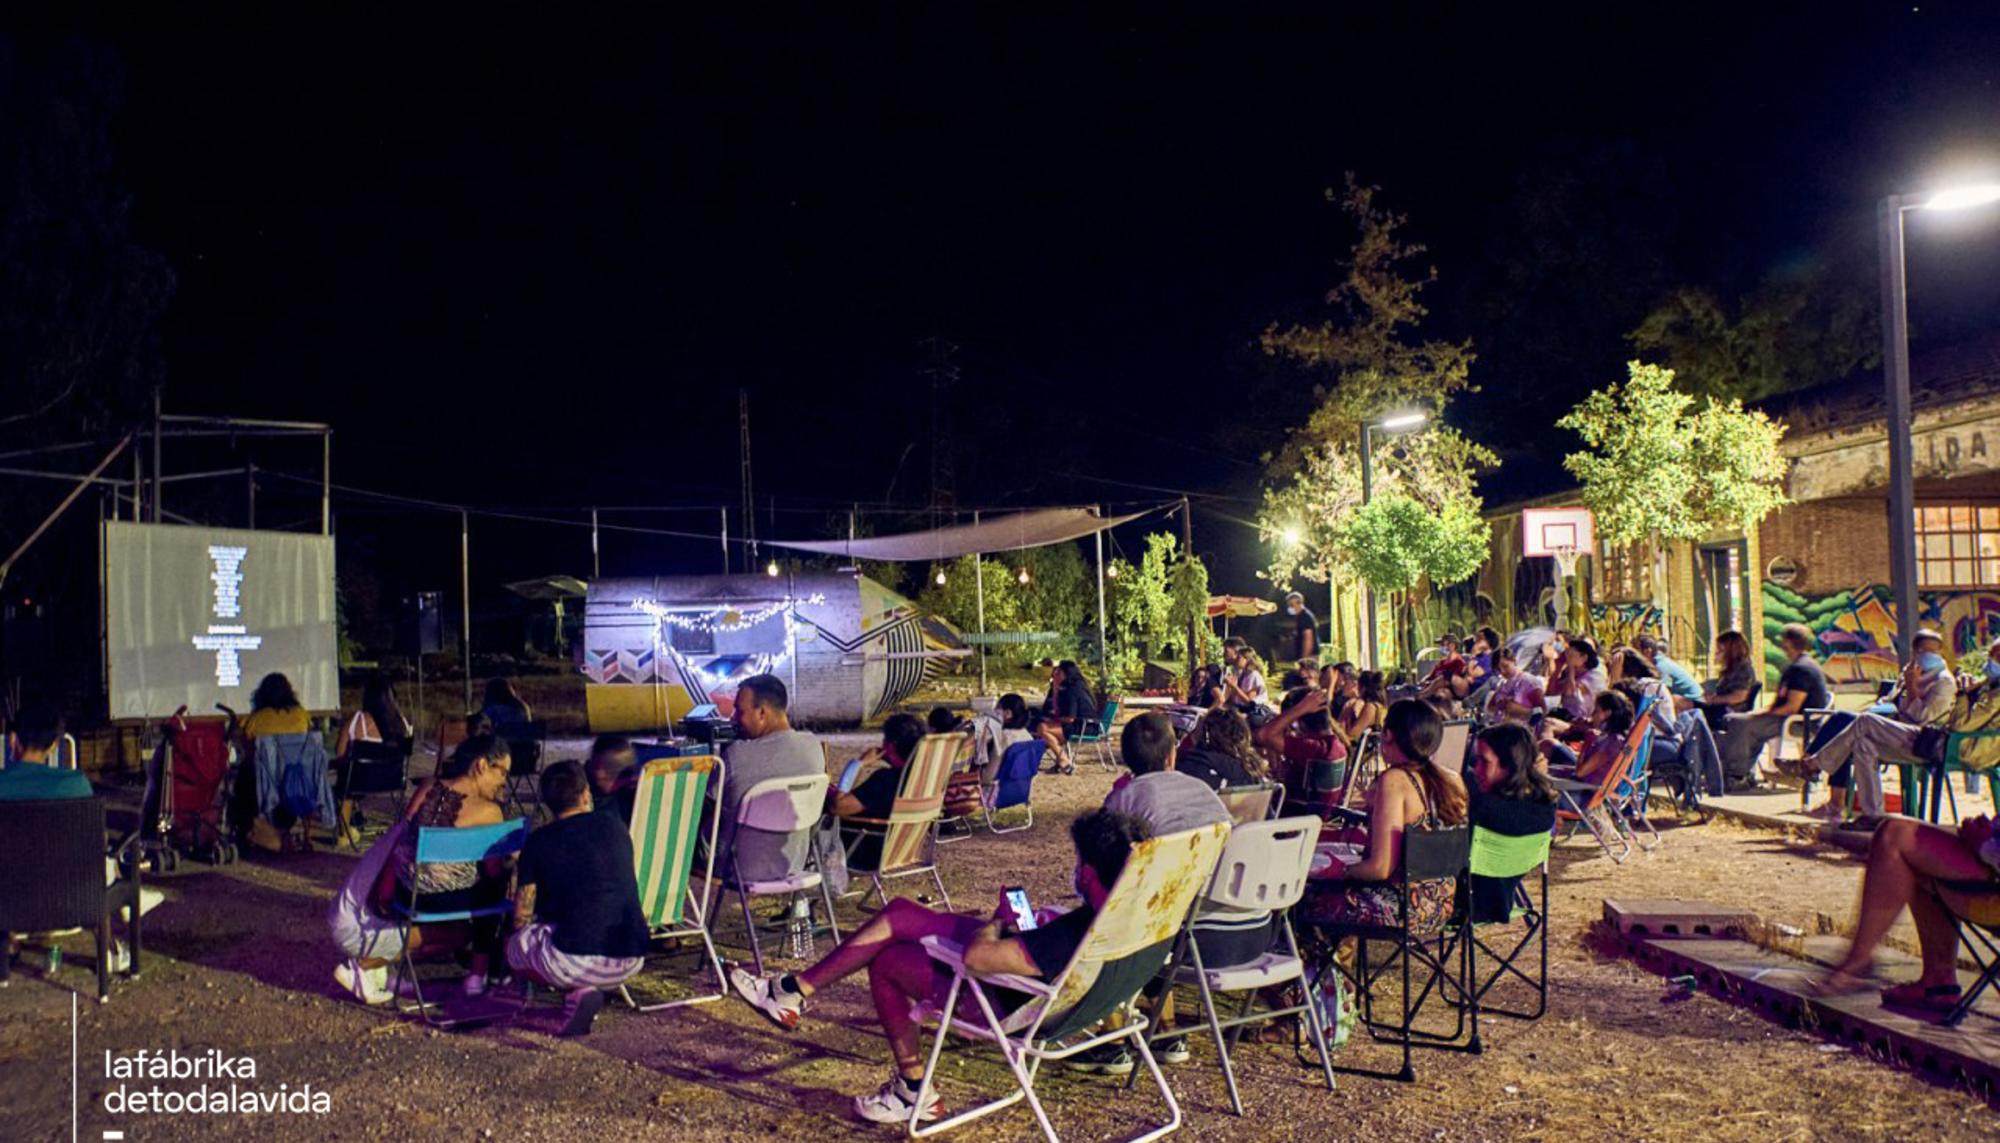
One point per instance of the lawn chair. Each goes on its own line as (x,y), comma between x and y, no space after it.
(526,743)
(908,837)
(451,732)
(1974,909)
(53,854)
(453,846)
(1263,870)
(790,806)
(292,786)
(370,769)
(1601,807)
(1497,855)
(1247,804)
(1097,732)
(1939,777)
(666,822)
(1364,763)
(1453,746)
(1428,855)
(1013,784)
(1129,942)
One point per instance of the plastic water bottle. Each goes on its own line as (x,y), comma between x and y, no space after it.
(801,929)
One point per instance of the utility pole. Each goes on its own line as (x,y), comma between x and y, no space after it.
(749,497)
(941,371)
(1187,552)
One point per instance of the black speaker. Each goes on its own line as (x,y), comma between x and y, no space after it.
(420,626)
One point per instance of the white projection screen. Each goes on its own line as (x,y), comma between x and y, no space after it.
(196,616)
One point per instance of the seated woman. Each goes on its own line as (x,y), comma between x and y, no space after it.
(1301,738)
(274,709)
(1509,795)
(995,732)
(1220,752)
(1575,686)
(1907,860)
(466,792)
(1516,695)
(379,720)
(505,708)
(875,795)
(1362,712)
(1245,690)
(1610,722)
(1736,682)
(1413,792)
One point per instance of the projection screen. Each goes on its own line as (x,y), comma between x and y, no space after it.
(197,616)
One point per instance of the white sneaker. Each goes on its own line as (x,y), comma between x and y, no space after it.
(762,993)
(369,985)
(894,1103)
(120,958)
(149,898)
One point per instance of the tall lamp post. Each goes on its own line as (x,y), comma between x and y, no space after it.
(1389,425)
(1896,379)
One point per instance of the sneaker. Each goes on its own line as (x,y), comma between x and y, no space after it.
(1173,1050)
(582,1007)
(894,1103)
(149,899)
(781,1006)
(1103,1060)
(369,985)
(120,958)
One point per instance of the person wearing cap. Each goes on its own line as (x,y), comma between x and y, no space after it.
(1801,687)
(1923,696)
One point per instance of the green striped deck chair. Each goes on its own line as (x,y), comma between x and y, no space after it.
(666,822)
(909,836)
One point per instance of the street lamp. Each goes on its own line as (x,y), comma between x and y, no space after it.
(1390,424)
(1896,379)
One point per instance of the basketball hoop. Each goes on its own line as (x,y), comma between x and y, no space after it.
(1566,556)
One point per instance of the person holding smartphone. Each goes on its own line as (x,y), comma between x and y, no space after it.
(902,975)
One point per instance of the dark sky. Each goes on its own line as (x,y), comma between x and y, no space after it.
(530,256)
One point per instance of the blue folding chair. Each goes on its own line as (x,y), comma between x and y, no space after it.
(456,847)
(1014,783)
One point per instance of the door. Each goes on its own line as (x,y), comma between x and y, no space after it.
(1721,593)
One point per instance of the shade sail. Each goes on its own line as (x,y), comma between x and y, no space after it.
(1006,534)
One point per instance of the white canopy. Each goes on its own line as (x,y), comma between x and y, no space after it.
(1031,529)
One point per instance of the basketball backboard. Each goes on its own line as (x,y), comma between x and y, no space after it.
(1545,530)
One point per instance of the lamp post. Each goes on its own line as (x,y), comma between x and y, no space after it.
(1896,380)
(1393,423)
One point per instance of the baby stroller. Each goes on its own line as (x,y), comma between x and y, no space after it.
(183,807)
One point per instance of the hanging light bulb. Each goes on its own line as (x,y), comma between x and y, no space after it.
(1111,572)
(1023,577)
(940,577)
(771,569)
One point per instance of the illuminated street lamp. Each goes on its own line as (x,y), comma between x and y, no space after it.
(1896,379)
(1390,424)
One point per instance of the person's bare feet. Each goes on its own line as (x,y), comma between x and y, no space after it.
(1842,981)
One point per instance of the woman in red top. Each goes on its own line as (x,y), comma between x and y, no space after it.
(1301,738)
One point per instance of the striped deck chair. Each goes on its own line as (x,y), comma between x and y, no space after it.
(909,835)
(1129,942)
(1603,806)
(666,822)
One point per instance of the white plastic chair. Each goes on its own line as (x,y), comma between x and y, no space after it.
(789,806)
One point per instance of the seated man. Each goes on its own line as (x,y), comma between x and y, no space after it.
(34,777)
(578,925)
(1802,686)
(614,775)
(1926,695)
(902,975)
(874,796)
(1157,794)
(766,747)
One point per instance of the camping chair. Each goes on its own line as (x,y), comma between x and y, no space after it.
(790,806)
(290,771)
(53,854)
(454,846)
(1428,855)
(451,732)
(1097,732)
(1498,855)
(908,837)
(666,822)
(1603,806)
(370,768)
(1364,758)
(1453,746)
(1939,776)
(1974,909)
(1129,942)
(1247,804)
(526,742)
(1013,784)
(1263,870)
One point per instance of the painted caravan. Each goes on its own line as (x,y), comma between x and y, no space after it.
(847,648)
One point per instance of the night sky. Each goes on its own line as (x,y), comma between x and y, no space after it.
(528,257)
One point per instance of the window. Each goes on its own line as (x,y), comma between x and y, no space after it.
(1958,545)
(1628,573)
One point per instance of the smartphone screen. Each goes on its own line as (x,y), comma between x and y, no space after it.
(1024,914)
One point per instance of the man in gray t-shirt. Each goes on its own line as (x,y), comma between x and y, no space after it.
(1165,799)
(766,747)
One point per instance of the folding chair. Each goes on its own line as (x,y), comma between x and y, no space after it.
(368,770)
(1453,746)
(1247,804)
(1974,909)
(1263,870)
(1365,758)
(790,806)
(1097,732)
(1939,776)
(454,847)
(1129,942)
(1498,855)
(908,837)
(1013,784)
(666,823)
(1428,855)
(1601,806)
(451,732)
(526,742)
(53,853)
(290,774)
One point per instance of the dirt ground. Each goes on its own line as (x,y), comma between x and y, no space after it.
(238,960)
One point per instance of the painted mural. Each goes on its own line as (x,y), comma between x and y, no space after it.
(1856,628)
(1615,623)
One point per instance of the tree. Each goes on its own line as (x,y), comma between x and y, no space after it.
(1655,465)
(1798,328)
(1060,595)
(1396,542)
(1153,604)
(956,600)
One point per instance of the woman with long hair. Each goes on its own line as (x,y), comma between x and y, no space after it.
(1736,677)
(1364,707)
(274,709)
(1509,795)
(1220,752)
(380,718)
(505,708)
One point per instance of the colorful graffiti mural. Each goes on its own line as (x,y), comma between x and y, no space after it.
(1856,628)
(1615,623)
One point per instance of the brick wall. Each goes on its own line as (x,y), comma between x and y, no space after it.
(1837,544)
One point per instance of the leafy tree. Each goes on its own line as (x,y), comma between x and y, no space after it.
(1061,592)
(1796,329)
(1396,542)
(1654,464)
(957,599)
(1153,603)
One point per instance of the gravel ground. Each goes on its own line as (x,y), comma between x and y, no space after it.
(238,961)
